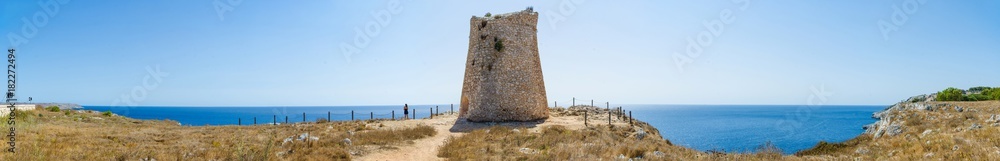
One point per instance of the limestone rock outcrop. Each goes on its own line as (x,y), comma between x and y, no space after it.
(503,73)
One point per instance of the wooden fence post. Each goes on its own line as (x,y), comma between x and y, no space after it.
(286,119)
(352,115)
(239,121)
(393,114)
(585,118)
(327,115)
(254,120)
(274,119)
(591,102)
(303,117)
(371,116)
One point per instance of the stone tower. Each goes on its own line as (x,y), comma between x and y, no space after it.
(503,74)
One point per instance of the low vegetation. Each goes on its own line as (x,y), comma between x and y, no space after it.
(107,113)
(945,131)
(88,135)
(498,45)
(52,108)
(594,142)
(980,93)
(551,143)
(824,147)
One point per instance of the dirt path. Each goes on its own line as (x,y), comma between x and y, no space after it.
(422,149)
(446,126)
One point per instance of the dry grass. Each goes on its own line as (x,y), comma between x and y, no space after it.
(950,129)
(824,147)
(45,135)
(551,143)
(596,143)
(592,143)
(388,137)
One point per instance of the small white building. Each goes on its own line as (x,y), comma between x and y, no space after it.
(5,109)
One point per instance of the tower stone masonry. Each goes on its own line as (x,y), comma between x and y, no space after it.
(503,73)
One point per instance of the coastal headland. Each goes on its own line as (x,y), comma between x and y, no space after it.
(914,129)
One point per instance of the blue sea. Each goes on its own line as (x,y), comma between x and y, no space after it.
(731,128)
(198,116)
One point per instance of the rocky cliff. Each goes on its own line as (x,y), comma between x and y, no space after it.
(917,112)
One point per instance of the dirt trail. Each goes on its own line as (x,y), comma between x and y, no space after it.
(421,149)
(446,126)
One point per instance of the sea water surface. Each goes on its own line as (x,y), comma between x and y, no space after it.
(743,128)
(198,116)
(731,128)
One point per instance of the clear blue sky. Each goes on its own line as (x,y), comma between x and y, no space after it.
(289,53)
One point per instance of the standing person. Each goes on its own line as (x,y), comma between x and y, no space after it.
(406,111)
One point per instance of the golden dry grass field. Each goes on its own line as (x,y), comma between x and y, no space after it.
(79,135)
(937,133)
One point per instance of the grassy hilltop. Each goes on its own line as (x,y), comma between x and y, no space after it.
(52,134)
(923,127)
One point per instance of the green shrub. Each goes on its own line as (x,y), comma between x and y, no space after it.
(993,93)
(976,97)
(498,45)
(106,113)
(53,108)
(488,14)
(950,94)
(979,89)
(918,99)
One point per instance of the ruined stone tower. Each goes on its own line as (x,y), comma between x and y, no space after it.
(503,75)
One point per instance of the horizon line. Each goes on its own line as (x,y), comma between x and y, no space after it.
(456,103)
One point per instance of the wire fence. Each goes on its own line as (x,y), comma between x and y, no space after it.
(416,112)
(614,114)
(581,101)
